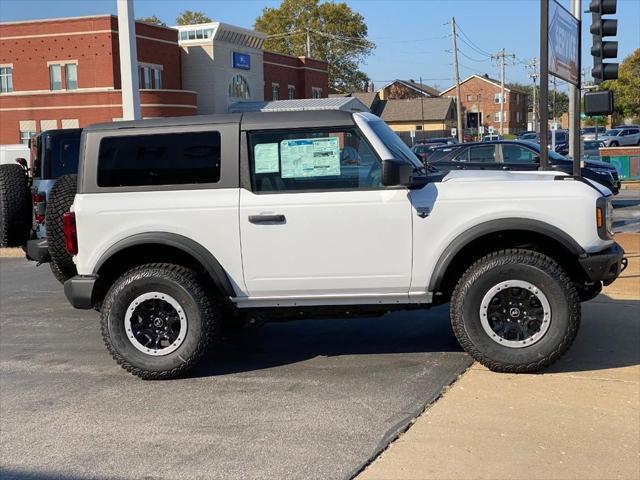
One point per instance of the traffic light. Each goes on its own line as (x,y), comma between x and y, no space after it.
(601,49)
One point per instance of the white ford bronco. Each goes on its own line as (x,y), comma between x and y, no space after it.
(181,225)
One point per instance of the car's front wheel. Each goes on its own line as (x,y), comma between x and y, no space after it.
(157,321)
(515,311)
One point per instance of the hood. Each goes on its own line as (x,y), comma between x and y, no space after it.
(459,176)
(599,164)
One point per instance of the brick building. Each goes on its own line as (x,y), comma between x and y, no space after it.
(288,78)
(404,89)
(65,73)
(480,101)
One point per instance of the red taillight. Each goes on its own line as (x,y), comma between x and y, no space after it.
(70,232)
(39,207)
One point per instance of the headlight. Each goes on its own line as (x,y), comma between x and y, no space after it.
(604,218)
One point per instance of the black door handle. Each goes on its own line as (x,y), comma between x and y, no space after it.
(269,218)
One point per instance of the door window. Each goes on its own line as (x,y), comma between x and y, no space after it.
(484,154)
(518,154)
(463,156)
(306,160)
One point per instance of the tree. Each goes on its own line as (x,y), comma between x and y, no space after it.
(337,34)
(153,20)
(562,99)
(626,89)
(192,18)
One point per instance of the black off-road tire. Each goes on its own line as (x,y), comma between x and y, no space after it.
(58,203)
(524,265)
(15,206)
(203,315)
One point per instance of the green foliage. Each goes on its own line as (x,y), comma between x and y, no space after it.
(192,18)
(562,99)
(338,36)
(153,20)
(626,89)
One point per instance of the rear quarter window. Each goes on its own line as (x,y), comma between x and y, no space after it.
(159,159)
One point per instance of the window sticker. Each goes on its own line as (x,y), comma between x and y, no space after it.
(310,157)
(265,156)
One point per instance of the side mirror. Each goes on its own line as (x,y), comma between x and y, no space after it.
(536,159)
(396,172)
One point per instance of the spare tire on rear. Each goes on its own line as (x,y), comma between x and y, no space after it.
(59,203)
(15,206)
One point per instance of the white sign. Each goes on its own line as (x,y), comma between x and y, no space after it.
(554,126)
(490,130)
(265,158)
(454,132)
(481,129)
(412,133)
(310,157)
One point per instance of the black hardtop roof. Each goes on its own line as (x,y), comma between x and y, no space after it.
(61,131)
(248,120)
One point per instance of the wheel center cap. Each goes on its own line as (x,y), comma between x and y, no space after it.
(514,312)
(158,322)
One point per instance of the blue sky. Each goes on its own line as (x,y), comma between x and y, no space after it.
(412,37)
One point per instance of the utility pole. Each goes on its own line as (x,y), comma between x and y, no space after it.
(534,75)
(456,75)
(544,84)
(422,111)
(501,56)
(308,44)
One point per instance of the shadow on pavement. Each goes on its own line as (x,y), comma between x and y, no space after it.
(295,341)
(15,474)
(609,337)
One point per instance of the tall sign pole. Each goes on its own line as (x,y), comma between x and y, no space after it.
(128,61)
(574,98)
(543,109)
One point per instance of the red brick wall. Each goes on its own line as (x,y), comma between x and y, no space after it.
(86,107)
(304,73)
(476,86)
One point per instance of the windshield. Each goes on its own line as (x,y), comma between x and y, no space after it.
(394,144)
(611,133)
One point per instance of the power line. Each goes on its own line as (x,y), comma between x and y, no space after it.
(471,43)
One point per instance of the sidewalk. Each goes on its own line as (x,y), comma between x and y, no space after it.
(578,420)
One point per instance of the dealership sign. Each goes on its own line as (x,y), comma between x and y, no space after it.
(242,60)
(564,35)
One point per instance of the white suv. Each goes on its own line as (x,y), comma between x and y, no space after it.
(181,224)
(618,137)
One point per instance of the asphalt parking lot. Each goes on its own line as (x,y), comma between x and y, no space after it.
(306,399)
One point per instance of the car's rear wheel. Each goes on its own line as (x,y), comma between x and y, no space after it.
(157,321)
(515,311)
(613,144)
(59,203)
(15,206)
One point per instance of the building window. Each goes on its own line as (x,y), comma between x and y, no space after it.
(518,117)
(150,77)
(418,127)
(6,79)
(55,74)
(496,116)
(275,91)
(496,98)
(239,88)
(71,72)
(469,98)
(291,90)
(196,34)
(25,136)
(316,92)
(518,98)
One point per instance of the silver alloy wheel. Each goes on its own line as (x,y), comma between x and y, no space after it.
(155,323)
(515,313)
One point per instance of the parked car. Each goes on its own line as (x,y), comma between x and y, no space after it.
(518,156)
(528,135)
(591,149)
(293,235)
(591,131)
(631,125)
(53,168)
(491,138)
(619,137)
(438,140)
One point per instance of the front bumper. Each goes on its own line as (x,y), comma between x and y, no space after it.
(79,291)
(37,249)
(604,266)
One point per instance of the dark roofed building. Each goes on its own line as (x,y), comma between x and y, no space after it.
(403,89)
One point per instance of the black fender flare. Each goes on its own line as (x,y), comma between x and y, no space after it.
(495,226)
(187,245)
